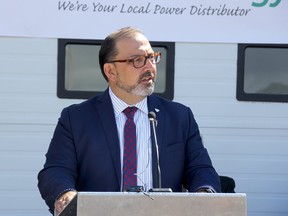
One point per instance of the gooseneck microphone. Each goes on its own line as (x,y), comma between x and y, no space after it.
(152,119)
(158,184)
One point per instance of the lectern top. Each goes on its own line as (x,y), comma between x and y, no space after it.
(156,204)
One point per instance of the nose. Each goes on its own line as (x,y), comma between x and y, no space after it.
(150,67)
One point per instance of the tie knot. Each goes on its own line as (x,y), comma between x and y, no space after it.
(130,111)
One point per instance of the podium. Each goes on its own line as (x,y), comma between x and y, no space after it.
(156,204)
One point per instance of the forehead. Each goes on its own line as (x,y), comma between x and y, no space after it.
(138,44)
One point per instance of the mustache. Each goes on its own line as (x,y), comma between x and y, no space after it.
(146,74)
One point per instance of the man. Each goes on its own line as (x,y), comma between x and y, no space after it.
(88,148)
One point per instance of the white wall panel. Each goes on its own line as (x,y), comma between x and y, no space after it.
(247,141)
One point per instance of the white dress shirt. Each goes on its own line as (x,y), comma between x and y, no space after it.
(143,139)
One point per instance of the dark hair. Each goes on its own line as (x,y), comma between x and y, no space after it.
(108,49)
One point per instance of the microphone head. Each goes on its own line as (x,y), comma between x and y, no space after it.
(152,115)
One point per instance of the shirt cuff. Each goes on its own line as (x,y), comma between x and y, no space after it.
(206,189)
(66,190)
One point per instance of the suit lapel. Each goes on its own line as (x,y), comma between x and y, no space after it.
(106,113)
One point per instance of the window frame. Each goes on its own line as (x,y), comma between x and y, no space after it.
(241,95)
(62,92)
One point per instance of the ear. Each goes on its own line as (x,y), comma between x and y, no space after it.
(110,71)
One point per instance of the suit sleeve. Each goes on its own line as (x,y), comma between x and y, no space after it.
(60,169)
(199,171)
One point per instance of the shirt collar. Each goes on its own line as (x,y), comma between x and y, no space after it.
(119,105)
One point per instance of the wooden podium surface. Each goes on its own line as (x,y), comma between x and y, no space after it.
(156,204)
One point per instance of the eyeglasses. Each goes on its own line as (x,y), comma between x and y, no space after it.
(140,61)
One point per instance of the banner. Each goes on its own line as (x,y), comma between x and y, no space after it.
(223,21)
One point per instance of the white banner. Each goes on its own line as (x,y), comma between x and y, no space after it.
(228,21)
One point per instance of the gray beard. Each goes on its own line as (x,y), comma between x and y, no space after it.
(138,89)
(143,91)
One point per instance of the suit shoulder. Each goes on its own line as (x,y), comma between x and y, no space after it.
(168,103)
(84,105)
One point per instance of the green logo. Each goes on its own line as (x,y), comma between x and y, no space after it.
(265,2)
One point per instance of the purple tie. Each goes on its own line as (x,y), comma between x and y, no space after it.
(129,156)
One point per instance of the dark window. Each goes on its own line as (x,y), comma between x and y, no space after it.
(79,74)
(262,73)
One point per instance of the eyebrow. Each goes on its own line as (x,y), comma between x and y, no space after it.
(133,56)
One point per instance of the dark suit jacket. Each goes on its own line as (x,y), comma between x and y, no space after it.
(84,152)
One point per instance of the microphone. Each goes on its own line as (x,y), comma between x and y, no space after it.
(158,184)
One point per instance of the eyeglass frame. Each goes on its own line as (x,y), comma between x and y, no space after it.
(145,61)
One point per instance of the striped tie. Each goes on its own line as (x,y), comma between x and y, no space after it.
(129,156)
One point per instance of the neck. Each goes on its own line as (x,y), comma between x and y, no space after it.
(128,98)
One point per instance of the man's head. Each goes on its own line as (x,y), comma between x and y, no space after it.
(128,63)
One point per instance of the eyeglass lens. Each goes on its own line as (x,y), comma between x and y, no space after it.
(140,61)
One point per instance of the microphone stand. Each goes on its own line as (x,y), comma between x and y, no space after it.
(158,183)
